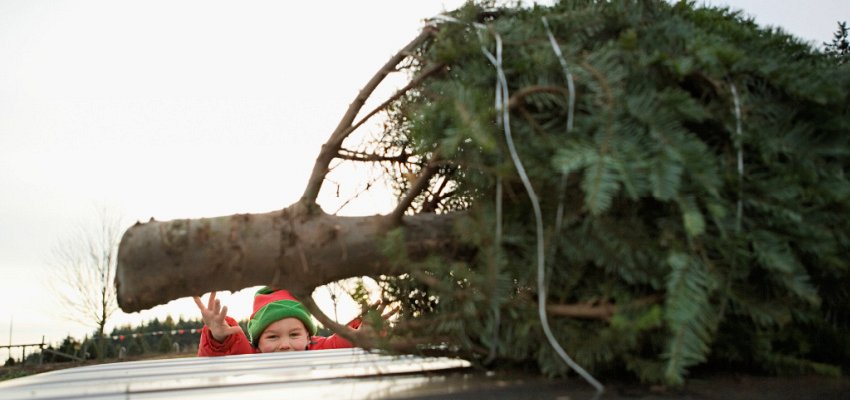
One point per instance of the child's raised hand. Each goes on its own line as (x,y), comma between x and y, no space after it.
(213,315)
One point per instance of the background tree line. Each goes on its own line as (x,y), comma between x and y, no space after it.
(149,338)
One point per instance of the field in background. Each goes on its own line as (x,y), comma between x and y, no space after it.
(21,370)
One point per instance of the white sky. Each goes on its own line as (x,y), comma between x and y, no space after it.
(187,109)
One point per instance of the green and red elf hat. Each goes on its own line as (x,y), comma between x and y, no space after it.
(271,305)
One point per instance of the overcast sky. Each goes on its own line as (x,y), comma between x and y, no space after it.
(187,109)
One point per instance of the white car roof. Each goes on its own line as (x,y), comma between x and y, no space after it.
(344,373)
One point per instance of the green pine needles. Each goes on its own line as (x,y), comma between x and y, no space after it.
(695,211)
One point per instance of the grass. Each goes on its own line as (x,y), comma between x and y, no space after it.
(21,370)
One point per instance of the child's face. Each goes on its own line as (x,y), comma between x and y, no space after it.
(288,334)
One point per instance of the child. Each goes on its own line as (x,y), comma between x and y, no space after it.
(279,323)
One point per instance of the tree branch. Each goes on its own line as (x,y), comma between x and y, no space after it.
(530,119)
(363,337)
(351,155)
(412,84)
(356,195)
(366,337)
(431,204)
(421,183)
(331,147)
(521,94)
(603,311)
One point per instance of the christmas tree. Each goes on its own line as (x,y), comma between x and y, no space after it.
(597,186)
(672,178)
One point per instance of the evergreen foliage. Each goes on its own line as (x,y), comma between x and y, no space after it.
(157,336)
(700,191)
(839,48)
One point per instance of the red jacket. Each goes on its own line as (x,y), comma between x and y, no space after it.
(239,344)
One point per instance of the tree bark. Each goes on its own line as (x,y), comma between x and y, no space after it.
(294,248)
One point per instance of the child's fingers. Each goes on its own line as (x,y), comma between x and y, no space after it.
(381,305)
(198,303)
(391,312)
(233,330)
(365,309)
(211,302)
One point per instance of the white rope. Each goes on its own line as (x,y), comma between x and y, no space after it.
(538,217)
(740,147)
(571,102)
(497,311)
(502,96)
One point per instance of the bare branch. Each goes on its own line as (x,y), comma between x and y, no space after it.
(351,155)
(366,337)
(356,195)
(358,339)
(604,310)
(421,183)
(414,56)
(431,204)
(412,84)
(343,129)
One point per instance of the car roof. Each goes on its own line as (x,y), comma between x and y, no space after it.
(344,373)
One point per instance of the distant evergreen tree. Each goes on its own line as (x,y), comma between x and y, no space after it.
(134,347)
(154,325)
(90,350)
(138,346)
(69,346)
(168,324)
(164,344)
(110,350)
(839,48)
(33,358)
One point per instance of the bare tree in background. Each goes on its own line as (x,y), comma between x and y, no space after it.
(84,268)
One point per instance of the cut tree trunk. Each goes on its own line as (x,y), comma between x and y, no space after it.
(292,248)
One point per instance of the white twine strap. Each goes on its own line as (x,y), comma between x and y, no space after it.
(571,101)
(502,97)
(538,217)
(497,311)
(498,101)
(740,147)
